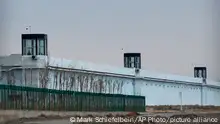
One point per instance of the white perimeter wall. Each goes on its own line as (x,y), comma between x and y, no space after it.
(165,93)
(156,92)
(159,89)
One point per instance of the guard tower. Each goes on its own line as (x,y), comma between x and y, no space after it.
(132,60)
(200,72)
(34,44)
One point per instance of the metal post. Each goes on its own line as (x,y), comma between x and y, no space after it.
(22,65)
(134,87)
(202,95)
(202,91)
(181,106)
(30,29)
(0,71)
(122,53)
(31,76)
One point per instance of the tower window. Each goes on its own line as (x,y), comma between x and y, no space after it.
(200,72)
(28,47)
(34,44)
(126,62)
(137,62)
(132,60)
(34,47)
(41,47)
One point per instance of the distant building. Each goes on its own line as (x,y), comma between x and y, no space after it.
(35,68)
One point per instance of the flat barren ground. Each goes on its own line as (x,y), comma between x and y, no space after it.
(143,118)
(153,115)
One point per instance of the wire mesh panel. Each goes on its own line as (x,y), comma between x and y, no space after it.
(29,98)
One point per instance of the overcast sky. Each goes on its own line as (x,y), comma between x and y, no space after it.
(172,35)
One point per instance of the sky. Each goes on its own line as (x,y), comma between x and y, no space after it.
(173,36)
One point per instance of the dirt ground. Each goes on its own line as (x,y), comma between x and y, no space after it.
(156,118)
(153,115)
